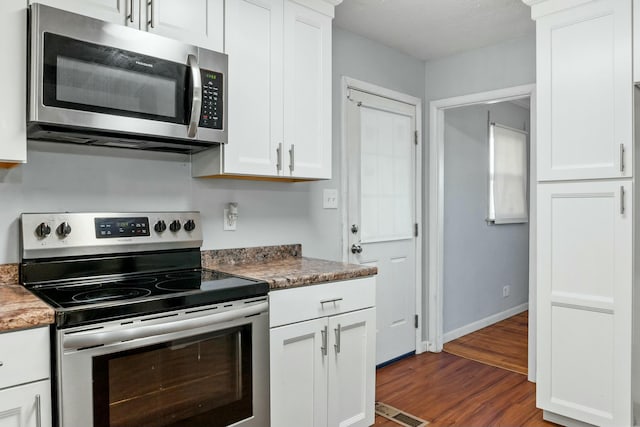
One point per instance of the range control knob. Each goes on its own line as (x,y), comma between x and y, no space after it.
(175,225)
(63,230)
(160,226)
(43,230)
(190,225)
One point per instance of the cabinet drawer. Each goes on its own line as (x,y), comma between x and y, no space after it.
(24,356)
(298,304)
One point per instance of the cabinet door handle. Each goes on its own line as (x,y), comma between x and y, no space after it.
(130,15)
(621,200)
(292,161)
(38,411)
(324,340)
(337,344)
(279,157)
(152,13)
(621,157)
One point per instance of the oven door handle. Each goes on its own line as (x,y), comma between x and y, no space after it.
(94,338)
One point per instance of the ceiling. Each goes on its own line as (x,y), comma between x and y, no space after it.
(430,29)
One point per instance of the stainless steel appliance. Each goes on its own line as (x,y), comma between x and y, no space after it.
(143,335)
(93,82)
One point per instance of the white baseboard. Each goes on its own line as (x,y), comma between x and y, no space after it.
(483,323)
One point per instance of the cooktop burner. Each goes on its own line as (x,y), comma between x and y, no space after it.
(89,301)
(110,294)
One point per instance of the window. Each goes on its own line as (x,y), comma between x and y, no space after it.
(507,175)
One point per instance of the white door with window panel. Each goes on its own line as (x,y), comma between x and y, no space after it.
(381,162)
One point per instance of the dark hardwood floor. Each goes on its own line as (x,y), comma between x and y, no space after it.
(449,390)
(503,344)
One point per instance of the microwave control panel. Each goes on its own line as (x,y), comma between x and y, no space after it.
(212,87)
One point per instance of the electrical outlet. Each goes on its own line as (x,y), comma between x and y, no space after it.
(506,291)
(229,224)
(330,198)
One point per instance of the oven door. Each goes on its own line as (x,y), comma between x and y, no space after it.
(205,367)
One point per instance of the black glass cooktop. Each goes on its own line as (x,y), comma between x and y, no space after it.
(91,300)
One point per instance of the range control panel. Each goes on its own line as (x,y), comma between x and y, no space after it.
(212,87)
(108,228)
(67,234)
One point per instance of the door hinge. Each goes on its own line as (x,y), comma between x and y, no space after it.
(415,321)
(415,137)
(415,230)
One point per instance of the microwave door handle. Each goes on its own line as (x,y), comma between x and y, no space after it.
(196,98)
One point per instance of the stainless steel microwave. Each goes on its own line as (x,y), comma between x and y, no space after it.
(99,83)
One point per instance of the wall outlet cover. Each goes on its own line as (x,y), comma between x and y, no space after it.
(506,291)
(330,198)
(226,225)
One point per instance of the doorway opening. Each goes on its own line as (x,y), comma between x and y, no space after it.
(482,267)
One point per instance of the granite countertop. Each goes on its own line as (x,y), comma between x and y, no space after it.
(282,266)
(19,308)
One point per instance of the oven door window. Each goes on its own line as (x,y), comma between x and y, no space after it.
(89,77)
(199,381)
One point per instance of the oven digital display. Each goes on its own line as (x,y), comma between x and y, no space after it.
(108,228)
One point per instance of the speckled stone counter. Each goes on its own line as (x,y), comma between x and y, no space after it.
(19,308)
(282,266)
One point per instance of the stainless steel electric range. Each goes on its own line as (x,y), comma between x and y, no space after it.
(144,336)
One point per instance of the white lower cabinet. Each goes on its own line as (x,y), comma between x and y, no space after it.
(25,389)
(27,405)
(323,369)
(585,314)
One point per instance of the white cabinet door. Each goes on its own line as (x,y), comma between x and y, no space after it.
(116,11)
(352,347)
(584,300)
(636,41)
(197,22)
(254,44)
(13,83)
(299,363)
(22,406)
(584,78)
(307,96)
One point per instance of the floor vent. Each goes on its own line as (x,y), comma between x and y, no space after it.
(399,416)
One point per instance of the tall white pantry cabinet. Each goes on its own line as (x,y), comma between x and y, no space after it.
(586,200)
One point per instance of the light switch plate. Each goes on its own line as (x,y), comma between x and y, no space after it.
(330,198)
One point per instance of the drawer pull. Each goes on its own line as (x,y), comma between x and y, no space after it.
(1,363)
(337,344)
(328,301)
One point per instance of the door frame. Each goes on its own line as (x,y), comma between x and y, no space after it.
(437,109)
(362,86)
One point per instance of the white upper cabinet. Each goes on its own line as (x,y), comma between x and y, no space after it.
(115,11)
(307,97)
(197,22)
(636,41)
(254,46)
(584,78)
(279,92)
(13,83)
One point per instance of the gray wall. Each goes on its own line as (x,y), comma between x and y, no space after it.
(479,259)
(73,178)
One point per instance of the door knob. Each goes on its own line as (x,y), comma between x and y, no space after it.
(356,249)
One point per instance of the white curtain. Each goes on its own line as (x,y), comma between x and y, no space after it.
(507,175)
